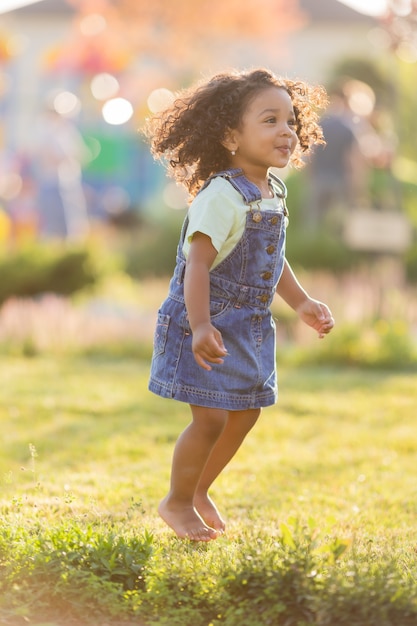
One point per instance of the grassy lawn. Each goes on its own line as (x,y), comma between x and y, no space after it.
(321,502)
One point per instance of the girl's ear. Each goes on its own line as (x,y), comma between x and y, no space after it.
(229,141)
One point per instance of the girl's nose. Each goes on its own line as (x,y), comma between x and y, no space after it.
(287,130)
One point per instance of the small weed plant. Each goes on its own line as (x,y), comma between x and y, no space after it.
(303,574)
(72,569)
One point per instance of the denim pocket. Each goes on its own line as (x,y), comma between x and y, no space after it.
(217,308)
(161,333)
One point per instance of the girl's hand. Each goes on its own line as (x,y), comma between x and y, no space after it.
(207,345)
(317,315)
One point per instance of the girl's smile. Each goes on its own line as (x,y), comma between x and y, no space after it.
(285,150)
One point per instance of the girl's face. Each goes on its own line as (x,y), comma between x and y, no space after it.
(267,135)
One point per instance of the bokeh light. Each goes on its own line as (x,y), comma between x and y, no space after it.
(93,24)
(104,86)
(117,111)
(66,104)
(175,197)
(403,8)
(160,99)
(371,144)
(407,52)
(380,38)
(361,97)
(94,146)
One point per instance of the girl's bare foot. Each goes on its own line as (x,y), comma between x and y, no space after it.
(186,522)
(209,512)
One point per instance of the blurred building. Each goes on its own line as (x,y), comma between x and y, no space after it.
(117,170)
(332,32)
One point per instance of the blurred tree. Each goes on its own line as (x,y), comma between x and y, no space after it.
(399,34)
(400,22)
(174,39)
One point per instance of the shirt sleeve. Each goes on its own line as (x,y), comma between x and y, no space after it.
(212,213)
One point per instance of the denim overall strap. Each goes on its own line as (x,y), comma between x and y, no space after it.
(249,191)
(280,190)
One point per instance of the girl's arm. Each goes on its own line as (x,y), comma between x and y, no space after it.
(207,340)
(312,312)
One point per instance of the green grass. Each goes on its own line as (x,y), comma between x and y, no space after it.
(321,502)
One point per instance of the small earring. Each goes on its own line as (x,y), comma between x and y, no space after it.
(233,152)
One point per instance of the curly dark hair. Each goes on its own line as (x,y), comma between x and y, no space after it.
(189,133)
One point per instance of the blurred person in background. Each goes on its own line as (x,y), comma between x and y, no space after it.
(58,152)
(336,172)
(22,206)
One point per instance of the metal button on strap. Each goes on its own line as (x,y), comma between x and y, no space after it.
(270,249)
(274,220)
(266,275)
(257,216)
(263,298)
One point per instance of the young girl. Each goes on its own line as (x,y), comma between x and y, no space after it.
(214,344)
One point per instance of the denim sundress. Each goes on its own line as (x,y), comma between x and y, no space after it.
(242,287)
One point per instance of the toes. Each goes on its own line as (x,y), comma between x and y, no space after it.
(202,534)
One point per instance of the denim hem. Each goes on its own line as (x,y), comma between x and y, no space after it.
(215,400)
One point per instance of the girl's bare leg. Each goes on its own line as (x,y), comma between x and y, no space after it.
(238,424)
(191,453)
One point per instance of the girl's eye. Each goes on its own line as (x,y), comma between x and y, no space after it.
(292,122)
(271,120)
